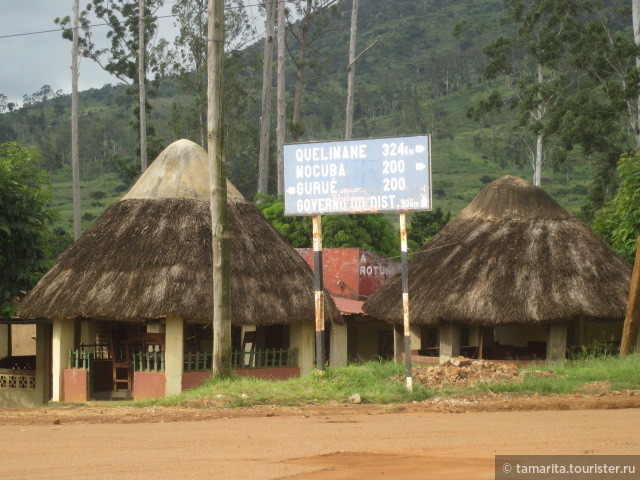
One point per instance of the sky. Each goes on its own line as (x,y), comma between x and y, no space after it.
(29,62)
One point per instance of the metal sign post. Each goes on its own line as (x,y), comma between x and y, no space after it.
(405,300)
(358,176)
(319,292)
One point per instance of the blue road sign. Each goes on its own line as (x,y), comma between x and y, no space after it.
(358,176)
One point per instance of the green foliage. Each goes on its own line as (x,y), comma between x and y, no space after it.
(128,169)
(371,231)
(418,78)
(373,382)
(424,225)
(25,221)
(618,223)
(370,380)
(297,230)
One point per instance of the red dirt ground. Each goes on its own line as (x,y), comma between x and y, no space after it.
(437,439)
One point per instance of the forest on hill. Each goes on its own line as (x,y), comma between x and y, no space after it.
(496,83)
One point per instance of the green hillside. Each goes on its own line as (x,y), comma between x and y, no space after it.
(417,78)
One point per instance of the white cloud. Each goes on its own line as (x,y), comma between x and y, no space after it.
(29,62)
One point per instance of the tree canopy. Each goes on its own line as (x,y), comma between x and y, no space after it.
(25,221)
(369,231)
(618,223)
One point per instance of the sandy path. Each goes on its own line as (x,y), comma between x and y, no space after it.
(414,445)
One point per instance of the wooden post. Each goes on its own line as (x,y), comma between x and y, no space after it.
(319,291)
(282,121)
(221,361)
(265,119)
(405,300)
(142,93)
(632,318)
(75,156)
(351,71)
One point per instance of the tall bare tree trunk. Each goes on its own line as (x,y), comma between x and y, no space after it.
(296,131)
(351,72)
(221,361)
(142,94)
(635,9)
(537,168)
(75,156)
(265,119)
(282,124)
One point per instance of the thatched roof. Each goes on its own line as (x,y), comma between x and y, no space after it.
(149,255)
(512,256)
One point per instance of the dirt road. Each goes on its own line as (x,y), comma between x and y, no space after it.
(312,443)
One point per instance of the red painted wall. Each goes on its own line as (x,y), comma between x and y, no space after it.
(192,380)
(148,385)
(75,385)
(374,270)
(352,273)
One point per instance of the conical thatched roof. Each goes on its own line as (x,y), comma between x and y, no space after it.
(512,256)
(149,255)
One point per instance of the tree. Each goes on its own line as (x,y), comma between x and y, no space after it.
(535,50)
(369,231)
(75,153)
(351,71)
(312,26)
(486,110)
(25,222)
(618,223)
(611,58)
(188,59)
(424,226)
(122,58)
(281,128)
(265,117)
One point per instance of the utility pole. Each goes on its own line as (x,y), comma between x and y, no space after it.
(351,71)
(221,361)
(632,318)
(75,156)
(142,93)
(265,119)
(282,123)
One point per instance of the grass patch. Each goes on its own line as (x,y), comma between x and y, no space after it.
(622,374)
(371,381)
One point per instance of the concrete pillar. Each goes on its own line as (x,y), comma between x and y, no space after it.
(398,343)
(174,354)
(338,345)
(415,332)
(4,340)
(557,342)
(63,340)
(43,360)
(449,341)
(303,336)
(88,332)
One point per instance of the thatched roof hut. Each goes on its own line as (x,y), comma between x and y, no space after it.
(512,256)
(149,255)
